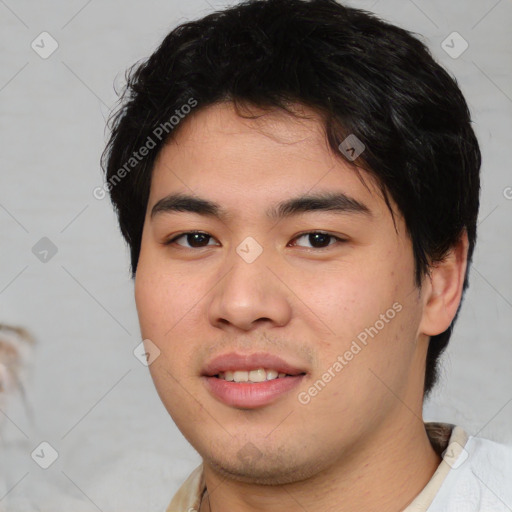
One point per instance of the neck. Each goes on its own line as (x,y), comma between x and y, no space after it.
(384,475)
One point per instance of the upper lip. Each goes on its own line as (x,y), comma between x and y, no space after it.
(234,361)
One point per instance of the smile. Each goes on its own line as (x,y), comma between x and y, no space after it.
(258,375)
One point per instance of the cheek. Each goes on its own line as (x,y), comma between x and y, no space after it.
(349,299)
(371,346)
(372,301)
(169,303)
(163,296)
(165,308)
(149,301)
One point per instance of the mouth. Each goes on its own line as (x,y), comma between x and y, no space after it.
(258,366)
(253,376)
(250,381)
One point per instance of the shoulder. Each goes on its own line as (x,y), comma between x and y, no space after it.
(479,480)
(188,496)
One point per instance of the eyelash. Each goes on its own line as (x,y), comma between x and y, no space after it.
(300,235)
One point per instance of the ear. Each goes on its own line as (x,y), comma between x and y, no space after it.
(442,290)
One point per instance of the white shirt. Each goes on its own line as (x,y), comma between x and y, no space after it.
(475,475)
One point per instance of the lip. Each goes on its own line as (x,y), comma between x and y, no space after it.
(235,361)
(247,395)
(250,395)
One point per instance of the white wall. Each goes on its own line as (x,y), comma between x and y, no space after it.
(90,398)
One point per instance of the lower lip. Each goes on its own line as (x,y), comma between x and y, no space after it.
(249,395)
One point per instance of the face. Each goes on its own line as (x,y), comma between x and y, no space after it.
(326,287)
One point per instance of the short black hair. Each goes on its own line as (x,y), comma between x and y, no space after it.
(362,75)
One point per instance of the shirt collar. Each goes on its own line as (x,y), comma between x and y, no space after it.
(441,435)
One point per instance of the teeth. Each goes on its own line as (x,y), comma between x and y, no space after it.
(240,376)
(258,375)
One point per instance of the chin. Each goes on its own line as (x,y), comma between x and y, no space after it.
(264,470)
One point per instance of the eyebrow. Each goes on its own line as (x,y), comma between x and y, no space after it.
(337,202)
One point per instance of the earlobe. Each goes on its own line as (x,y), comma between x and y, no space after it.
(443,292)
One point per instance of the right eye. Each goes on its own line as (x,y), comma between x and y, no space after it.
(195,239)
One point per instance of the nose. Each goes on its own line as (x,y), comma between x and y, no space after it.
(250,295)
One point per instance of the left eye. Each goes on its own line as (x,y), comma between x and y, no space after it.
(319,239)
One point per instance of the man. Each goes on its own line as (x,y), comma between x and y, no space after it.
(298,182)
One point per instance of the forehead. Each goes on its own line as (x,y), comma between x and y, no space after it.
(218,154)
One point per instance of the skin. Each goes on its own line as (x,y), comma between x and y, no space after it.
(360,443)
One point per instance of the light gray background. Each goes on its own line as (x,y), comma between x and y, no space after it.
(90,398)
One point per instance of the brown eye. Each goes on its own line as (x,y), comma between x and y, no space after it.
(319,239)
(195,239)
